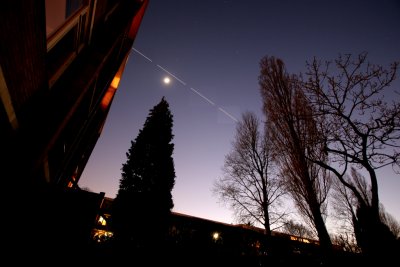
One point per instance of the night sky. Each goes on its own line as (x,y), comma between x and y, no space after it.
(211,51)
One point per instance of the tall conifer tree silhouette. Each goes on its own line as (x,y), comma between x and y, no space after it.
(144,201)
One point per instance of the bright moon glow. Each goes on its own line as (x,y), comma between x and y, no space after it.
(167,80)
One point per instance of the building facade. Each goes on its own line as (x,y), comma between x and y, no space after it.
(60,65)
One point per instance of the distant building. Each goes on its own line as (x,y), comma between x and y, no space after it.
(194,236)
(60,65)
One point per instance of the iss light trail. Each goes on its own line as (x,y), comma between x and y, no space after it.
(192,89)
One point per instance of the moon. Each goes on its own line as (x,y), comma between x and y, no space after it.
(167,80)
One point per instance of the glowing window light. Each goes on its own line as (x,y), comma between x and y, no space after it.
(105,102)
(215,236)
(299,239)
(102,221)
(71,182)
(115,82)
(102,235)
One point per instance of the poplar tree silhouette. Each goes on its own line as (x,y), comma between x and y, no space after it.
(141,209)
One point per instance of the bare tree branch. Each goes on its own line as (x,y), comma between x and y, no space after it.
(249,184)
(295,137)
(361,128)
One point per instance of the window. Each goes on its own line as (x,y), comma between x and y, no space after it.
(61,53)
(57,12)
(66,30)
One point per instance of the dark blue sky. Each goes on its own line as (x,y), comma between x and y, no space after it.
(213,48)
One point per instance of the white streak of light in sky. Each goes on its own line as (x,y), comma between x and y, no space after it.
(227,114)
(212,103)
(182,82)
(142,55)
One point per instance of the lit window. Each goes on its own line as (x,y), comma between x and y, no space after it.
(215,236)
(102,236)
(102,221)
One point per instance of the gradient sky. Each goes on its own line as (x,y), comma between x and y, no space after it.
(213,49)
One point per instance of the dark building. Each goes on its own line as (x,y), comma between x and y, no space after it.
(60,65)
(194,241)
(61,62)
